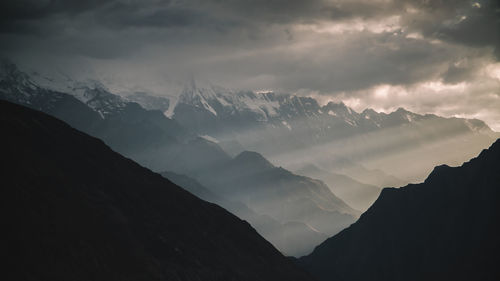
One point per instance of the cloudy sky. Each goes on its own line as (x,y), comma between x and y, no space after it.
(429,56)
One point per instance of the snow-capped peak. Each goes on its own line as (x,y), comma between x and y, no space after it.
(198,95)
(341,111)
(218,100)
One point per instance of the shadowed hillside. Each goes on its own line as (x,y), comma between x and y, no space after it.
(446,228)
(76,210)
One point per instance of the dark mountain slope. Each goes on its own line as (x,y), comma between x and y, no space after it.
(447,228)
(76,210)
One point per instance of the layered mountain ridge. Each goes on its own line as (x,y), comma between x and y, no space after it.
(161,144)
(357,194)
(252,180)
(249,181)
(291,238)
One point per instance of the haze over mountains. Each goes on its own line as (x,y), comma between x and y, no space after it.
(446,228)
(293,238)
(291,130)
(356,194)
(303,206)
(220,141)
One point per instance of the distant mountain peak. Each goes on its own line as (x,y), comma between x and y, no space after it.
(199,94)
(402,110)
(404,115)
(369,111)
(10,72)
(340,104)
(340,107)
(253,158)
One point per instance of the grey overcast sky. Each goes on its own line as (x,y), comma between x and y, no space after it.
(429,56)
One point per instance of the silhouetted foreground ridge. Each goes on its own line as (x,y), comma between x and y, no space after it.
(76,210)
(446,228)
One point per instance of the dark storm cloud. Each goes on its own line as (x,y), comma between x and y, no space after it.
(114,29)
(40,16)
(474,23)
(31,15)
(333,48)
(38,9)
(440,19)
(126,16)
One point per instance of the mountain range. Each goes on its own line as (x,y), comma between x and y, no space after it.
(162,144)
(213,130)
(254,181)
(293,131)
(290,130)
(446,228)
(76,210)
(370,147)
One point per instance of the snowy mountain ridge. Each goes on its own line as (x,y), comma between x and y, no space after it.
(91,92)
(221,103)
